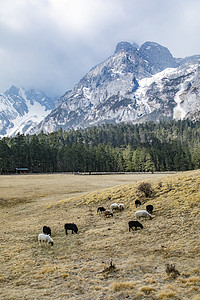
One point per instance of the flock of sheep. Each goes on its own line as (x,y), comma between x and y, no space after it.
(46,235)
(132,224)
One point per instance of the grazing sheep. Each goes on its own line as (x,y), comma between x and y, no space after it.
(149,208)
(108,213)
(135,224)
(142,213)
(72,227)
(47,230)
(137,203)
(45,238)
(121,206)
(114,206)
(100,209)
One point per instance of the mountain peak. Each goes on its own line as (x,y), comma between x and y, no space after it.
(126,47)
(12,90)
(22,109)
(158,56)
(136,84)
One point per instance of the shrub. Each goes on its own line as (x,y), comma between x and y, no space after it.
(167,294)
(171,270)
(147,289)
(117,286)
(169,186)
(146,188)
(159,184)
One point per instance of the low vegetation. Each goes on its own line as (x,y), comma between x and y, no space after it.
(146,189)
(104,260)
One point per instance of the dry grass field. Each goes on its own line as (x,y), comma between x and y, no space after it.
(79,266)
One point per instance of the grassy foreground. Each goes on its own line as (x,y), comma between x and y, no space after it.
(78,266)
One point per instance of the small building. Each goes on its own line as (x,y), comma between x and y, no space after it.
(21,170)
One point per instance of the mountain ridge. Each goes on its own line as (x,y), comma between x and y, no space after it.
(136,84)
(21,110)
(132,85)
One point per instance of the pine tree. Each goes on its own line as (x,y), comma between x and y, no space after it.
(5,166)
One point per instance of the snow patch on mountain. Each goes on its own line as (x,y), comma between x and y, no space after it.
(23,124)
(188,97)
(21,110)
(135,84)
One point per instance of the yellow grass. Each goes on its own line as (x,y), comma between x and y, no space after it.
(77,266)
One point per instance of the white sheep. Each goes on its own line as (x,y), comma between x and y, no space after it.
(45,238)
(114,206)
(121,206)
(142,213)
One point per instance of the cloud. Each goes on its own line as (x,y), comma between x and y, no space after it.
(49,45)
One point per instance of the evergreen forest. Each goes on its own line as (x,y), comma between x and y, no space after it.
(124,147)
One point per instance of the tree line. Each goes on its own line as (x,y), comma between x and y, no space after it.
(124,147)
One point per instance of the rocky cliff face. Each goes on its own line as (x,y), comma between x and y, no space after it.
(159,57)
(134,85)
(21,110)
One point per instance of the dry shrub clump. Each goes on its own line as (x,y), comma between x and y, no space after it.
(117,286)
(147,289)
(171,271)
(146,189)
(167,294)
(160,184)
(110,268)
(169,186)
(193,281)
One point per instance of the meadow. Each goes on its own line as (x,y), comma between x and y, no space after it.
(104,260)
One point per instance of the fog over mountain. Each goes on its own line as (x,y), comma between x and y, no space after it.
(49,45)
(135,84)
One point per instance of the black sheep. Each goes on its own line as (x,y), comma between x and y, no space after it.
(137,203)
(100,209)
(108,213)
(47,230)
(72,227)
(149,208)
(135,224)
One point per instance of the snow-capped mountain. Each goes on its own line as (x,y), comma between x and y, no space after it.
(136,84)
(21,110)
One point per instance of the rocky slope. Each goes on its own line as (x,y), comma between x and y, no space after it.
(136,84)
(21,110)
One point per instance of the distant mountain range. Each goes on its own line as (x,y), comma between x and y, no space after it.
(136,84)
(21,110)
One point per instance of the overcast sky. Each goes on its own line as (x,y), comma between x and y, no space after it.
(50,45)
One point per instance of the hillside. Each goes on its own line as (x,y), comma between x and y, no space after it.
(78,266)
